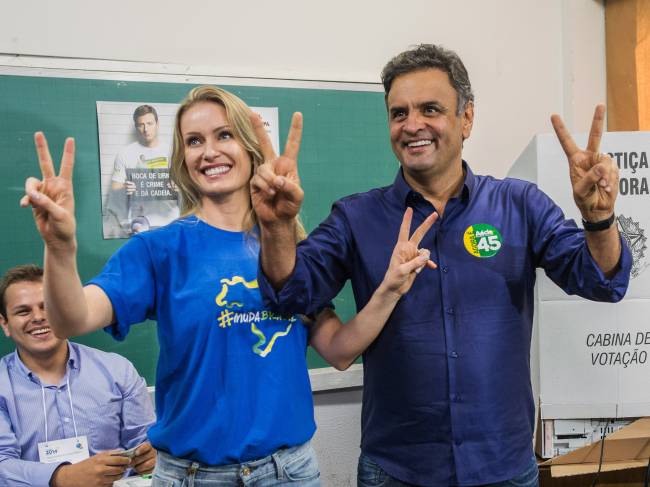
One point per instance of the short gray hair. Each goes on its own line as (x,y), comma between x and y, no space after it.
(427,56)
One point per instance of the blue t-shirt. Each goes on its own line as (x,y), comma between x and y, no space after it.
(232,382)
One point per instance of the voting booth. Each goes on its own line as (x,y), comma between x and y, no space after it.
(594,358)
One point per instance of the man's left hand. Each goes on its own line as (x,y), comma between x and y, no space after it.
(145,459)
(594,176)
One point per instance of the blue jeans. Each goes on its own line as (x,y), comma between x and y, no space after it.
(295,467)
(370,474)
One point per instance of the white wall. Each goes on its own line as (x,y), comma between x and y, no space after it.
(526,59)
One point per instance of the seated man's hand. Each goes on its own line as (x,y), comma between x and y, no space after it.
(100,470)
(145,459)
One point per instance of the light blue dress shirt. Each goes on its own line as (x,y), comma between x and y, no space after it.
(111,407)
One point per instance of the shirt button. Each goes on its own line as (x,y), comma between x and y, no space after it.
(66,420)
(450,311)
(454,355)
(445,269)
(245,471)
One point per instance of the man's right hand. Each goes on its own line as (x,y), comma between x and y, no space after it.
(130,187)
(275,188)
(100,470)
(52,198)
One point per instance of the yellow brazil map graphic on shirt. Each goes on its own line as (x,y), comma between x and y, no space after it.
(232,314)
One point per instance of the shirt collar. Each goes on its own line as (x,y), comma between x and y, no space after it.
(73,363)
(403,191)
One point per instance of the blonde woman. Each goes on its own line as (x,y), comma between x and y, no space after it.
(233,397)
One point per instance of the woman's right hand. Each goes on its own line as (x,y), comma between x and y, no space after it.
(52,197)
(408,259)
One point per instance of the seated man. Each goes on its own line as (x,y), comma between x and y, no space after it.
(64,406)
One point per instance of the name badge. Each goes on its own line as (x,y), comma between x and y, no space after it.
(71,450)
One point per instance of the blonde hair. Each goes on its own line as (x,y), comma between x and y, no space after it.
(238,116)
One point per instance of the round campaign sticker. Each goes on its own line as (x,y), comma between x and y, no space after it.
(482,240)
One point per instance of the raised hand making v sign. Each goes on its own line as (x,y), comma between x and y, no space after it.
(277,196)
(594,179)
(52,197)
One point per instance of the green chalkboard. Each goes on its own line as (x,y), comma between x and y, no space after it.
(345,150)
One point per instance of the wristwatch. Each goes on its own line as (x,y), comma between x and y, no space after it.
(598,226)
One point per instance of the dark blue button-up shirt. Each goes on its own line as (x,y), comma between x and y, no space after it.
(447,397)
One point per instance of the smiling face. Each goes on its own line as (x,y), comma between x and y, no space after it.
(26,321)
(216,162)
(425,132)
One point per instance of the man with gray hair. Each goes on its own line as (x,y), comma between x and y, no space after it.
(447,398)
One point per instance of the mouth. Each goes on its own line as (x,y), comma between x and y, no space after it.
(419,147)
(418,143)
(216,171)
(40,333)
(414,144)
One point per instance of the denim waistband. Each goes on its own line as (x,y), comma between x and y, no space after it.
(279,458)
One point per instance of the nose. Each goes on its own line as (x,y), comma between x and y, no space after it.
(413,122)
(209,151)
(39,315)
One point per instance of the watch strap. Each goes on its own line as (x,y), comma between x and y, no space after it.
(600,225)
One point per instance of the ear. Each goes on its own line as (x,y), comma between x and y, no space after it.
(5,326)
(468,119)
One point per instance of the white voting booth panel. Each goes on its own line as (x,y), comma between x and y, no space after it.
(595,357)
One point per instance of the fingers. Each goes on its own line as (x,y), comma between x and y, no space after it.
(563,135)
(603,174)
(596,132)
(113,464)
(292,146)
(289,190)
(425,253)
(67,161)
(405,227)
(607,171)
(263,138)
(424,227)
(143,451)
(416,264)
(145,461)
(32,189)
(43,202)
(44,157)
(130,187)
(268,183)
(264,180)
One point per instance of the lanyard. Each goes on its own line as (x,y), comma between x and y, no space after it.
(74,423)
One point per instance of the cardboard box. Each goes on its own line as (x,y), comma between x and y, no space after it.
(594,358)
(625,459)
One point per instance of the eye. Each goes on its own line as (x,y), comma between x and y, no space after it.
(192,141)
(397,114)
(431,109)
(225,135)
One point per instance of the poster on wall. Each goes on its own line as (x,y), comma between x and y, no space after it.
(135,145)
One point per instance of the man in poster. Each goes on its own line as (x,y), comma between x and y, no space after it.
(141,195)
